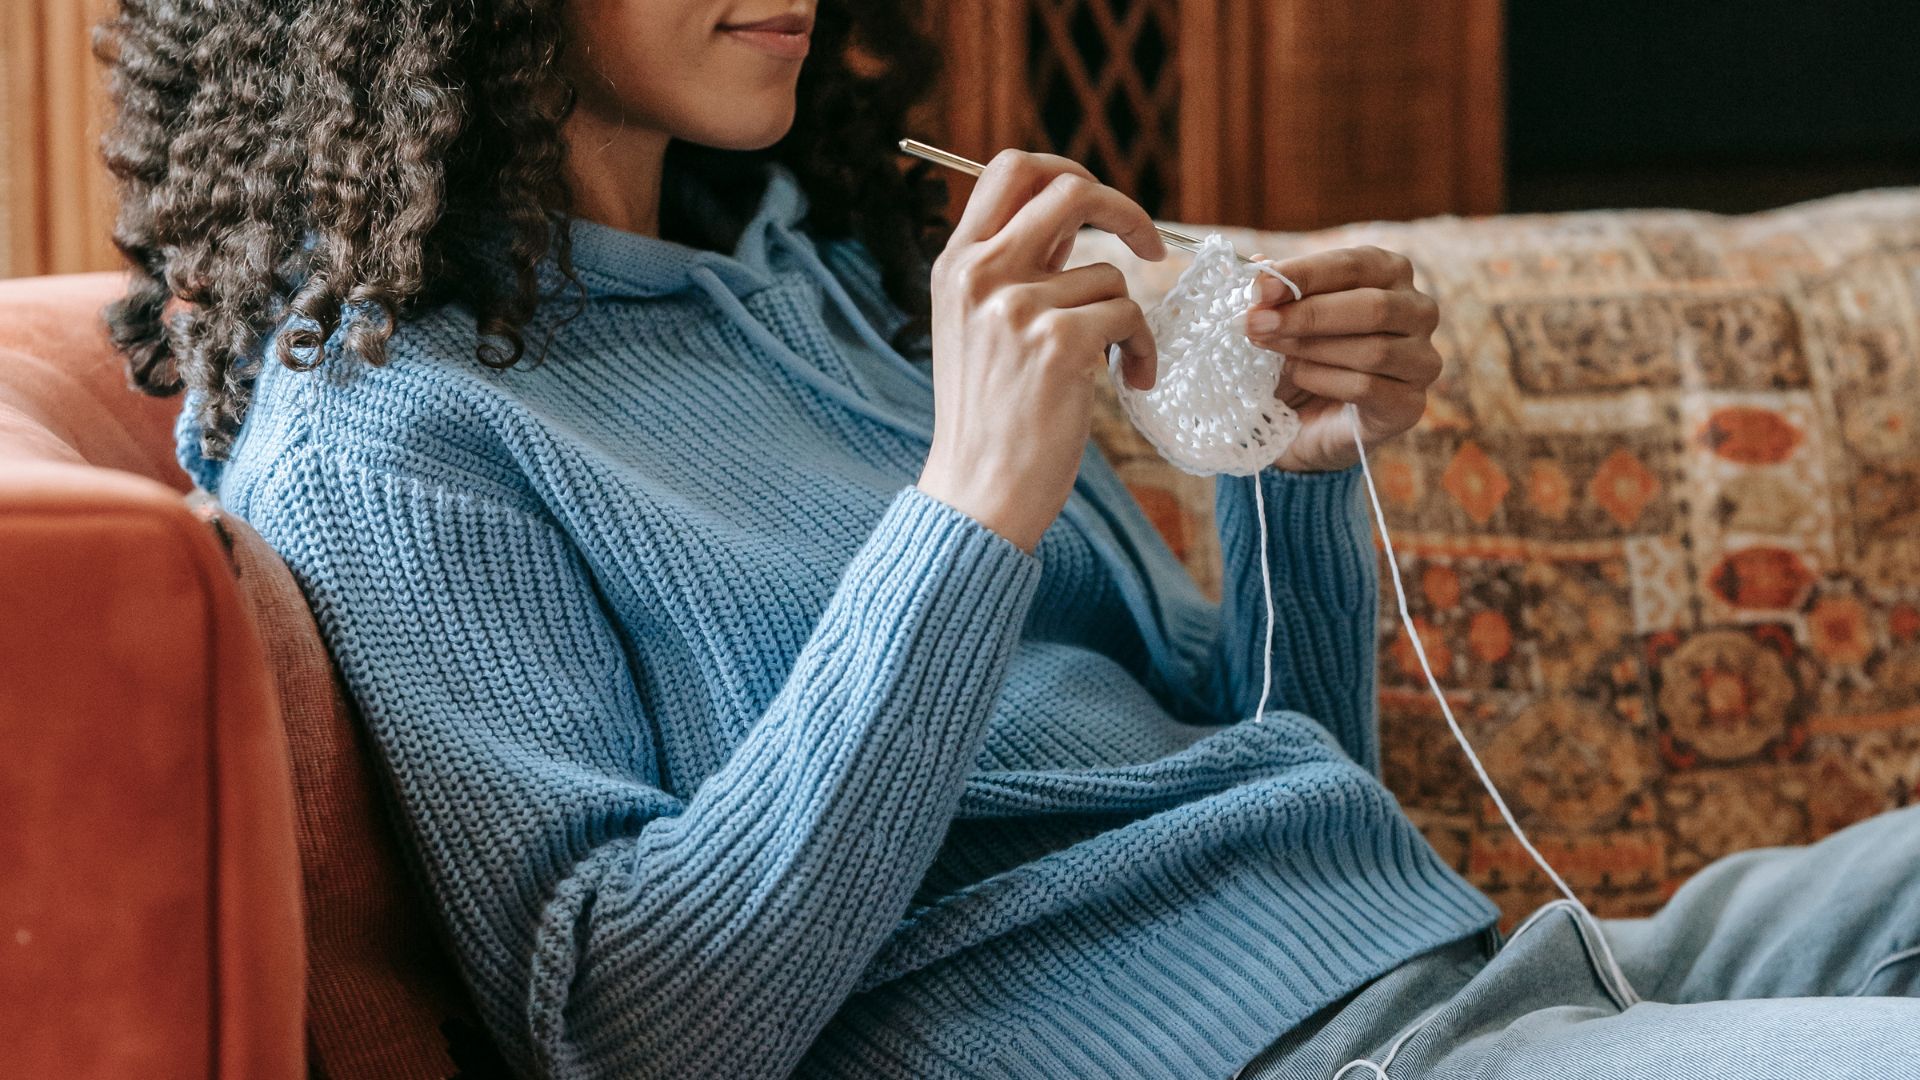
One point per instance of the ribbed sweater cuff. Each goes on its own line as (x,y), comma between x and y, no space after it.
(1325,588)
(1318,530)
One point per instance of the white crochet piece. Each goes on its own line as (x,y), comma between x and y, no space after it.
(1211,409)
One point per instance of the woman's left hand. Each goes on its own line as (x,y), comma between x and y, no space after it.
(1360,333)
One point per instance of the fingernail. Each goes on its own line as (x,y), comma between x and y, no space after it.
(1263,321)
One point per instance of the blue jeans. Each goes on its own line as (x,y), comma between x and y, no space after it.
(1784,962)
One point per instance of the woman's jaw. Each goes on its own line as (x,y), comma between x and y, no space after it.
(720,73)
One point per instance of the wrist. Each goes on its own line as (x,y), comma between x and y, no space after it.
(984,504)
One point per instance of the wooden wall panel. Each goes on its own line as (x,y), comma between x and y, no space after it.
(1388,109)
(58,198)
(1291,114)
(982,106)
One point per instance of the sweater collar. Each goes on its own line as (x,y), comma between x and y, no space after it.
(616,263)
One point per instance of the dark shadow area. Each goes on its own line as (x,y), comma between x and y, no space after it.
(1731,107)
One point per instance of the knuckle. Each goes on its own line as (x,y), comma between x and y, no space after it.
(1071,186)
(969,277)
(1006,306)
(1304,320)
(1428,311)
(1043,329)
(1010,161)
(1379,354)
(1020,303)
(1058,336)
(944,264)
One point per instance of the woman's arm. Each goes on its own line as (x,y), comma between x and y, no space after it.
(607,927)
(1326,584)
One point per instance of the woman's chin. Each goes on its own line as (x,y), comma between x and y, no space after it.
(739,132)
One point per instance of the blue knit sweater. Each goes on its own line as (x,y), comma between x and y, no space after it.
(726,752)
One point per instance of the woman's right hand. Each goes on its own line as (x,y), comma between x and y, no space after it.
(1015,340)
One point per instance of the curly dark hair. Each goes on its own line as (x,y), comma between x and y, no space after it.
(298,157)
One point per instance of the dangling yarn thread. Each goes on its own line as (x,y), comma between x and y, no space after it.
(1212,410)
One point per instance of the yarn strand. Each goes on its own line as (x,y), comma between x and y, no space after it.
(1622,987)
(1266,584)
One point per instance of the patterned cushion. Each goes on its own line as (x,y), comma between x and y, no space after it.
(1662,529)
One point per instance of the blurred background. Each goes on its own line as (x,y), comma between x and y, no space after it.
(1278,114)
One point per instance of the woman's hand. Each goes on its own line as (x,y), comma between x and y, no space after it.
(1015,340)
(1360,333)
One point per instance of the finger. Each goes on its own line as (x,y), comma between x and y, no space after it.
(1410,360)
(1061,253)
(1389,398)
(1012,178)
(1355,311)
(1121,322)
(1344,383)
(1337,271)
(1084,285)
(1070,202)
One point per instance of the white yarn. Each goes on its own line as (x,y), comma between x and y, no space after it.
(1212,410)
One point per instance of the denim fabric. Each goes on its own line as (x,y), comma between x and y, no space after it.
(1784,962)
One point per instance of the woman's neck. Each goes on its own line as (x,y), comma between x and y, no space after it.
(614,170)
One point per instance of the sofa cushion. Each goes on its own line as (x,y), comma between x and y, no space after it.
(1661,526)
(63,390)
(148,865)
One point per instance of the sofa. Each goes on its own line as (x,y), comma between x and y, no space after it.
(1661,526)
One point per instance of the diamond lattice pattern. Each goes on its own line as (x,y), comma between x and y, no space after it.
(1105,87)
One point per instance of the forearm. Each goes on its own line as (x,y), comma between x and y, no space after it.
(721,939)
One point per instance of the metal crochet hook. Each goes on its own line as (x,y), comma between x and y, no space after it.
(973,168)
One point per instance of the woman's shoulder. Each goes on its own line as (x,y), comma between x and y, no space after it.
(430,411)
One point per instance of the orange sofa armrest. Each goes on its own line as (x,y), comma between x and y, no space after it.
(149,903)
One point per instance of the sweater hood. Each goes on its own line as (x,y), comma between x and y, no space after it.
(615,263)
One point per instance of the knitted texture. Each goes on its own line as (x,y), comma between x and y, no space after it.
(724,751)
(1211,408)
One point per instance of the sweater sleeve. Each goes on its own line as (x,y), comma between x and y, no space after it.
(608,927)
(1325,596)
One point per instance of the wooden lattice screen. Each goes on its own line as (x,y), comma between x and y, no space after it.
(1273,113)
(1106,90)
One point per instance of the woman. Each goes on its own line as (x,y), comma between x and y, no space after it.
(769,677)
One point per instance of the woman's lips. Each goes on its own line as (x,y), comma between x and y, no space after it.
(785,36)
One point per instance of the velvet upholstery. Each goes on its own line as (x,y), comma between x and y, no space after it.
(182,768)
(146,814)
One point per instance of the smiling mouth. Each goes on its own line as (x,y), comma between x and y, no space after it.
(785,36)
